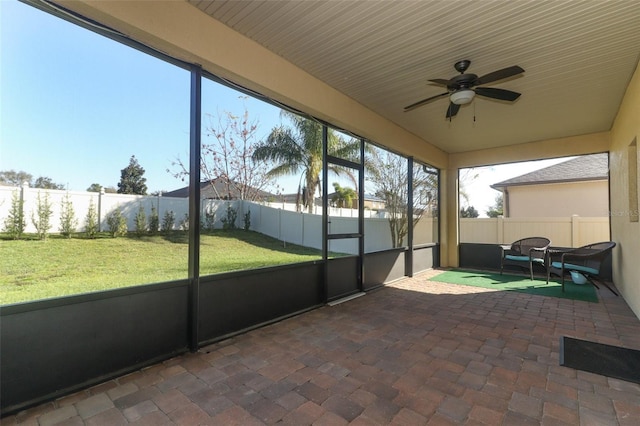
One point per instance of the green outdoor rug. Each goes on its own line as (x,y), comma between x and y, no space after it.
(495,281)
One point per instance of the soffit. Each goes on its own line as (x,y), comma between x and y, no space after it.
(578,57)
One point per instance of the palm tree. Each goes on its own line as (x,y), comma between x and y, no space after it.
(298,149)
(344,196)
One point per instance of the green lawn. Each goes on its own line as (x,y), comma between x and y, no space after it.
(33,269)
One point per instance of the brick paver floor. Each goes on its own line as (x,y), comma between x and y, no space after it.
(414,352)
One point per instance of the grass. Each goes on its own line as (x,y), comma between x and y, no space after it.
(32,269)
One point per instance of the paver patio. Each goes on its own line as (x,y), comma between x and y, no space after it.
(414,352)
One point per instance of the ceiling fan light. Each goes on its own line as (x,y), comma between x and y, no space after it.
(462,97)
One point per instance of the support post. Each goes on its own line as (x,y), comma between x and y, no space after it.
(408,264)
(325,214)
(194,205)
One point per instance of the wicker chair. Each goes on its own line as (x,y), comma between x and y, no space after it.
(586,259)
(525,252)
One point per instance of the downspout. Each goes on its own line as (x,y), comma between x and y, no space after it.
(505,202)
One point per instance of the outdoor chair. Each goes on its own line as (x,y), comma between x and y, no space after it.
(586,260)
(525,252)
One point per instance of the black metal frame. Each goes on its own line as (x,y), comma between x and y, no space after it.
(54,347)
(194,205)
(341,289)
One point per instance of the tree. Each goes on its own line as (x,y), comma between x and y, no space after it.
(117,223)
(141,221)
(298,149)
(469,212)
(13,178)
(498,208)
(388,173)
(154,221)
(14,223)
(229,160)
(41,218)
(168,220)
(465,179)
(91,220)
(94,187)
(47,183)
(229,221)
(68,221)
(344,196)
(131,179)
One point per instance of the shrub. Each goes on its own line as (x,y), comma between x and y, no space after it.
(168,220)
(141,222)
(117,223)
(42,217)
(68,221)
(91,221)
(184,223)
(247,220)
(14,223)
(229,222)
(209,220)
(154,221)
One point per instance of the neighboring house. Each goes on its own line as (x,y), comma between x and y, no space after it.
(370,202)
(373,203)
(217,189)
(579,186)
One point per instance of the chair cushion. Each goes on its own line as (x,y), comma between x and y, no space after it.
(523,258)
(572,267)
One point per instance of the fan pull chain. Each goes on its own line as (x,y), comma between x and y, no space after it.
(474,114)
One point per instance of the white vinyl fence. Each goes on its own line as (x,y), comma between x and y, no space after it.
(281,221)
(104,203)
(284,224)
(306,229)
(574,231)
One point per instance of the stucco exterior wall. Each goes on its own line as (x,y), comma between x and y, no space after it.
(586,199)
(626,129)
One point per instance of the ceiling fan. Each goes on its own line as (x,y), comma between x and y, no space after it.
(461,89)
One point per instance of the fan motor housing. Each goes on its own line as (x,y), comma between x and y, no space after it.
(462,81)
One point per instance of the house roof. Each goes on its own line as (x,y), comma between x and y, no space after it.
(215,189)
(583,168)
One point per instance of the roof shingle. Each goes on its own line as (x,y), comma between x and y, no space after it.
(585,167)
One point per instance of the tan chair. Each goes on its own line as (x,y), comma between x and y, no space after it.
(525,252)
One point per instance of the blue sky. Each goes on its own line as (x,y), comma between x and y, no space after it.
(76,106)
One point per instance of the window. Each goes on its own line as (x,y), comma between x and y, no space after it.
(425,204)
(255,211)
(84,117)
(386,187)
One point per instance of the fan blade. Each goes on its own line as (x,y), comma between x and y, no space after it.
(502,94)
(499,75)
(452,110)
(424,101)
(440,81)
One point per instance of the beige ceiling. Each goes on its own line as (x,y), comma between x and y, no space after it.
(578,58)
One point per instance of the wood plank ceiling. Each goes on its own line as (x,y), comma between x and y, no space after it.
(578,58)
